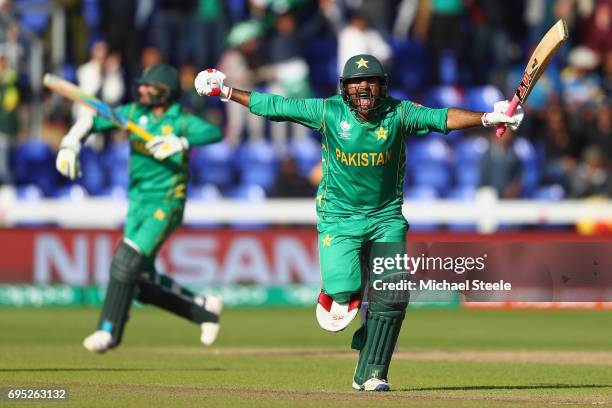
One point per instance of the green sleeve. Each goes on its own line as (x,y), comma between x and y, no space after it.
(101,124)
(420,120)
(199,132)
(307,112)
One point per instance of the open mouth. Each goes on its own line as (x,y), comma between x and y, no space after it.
(364,99)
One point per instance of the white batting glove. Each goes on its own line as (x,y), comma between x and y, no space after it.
(210,83)
(498,116)
(67,160)
(162,147)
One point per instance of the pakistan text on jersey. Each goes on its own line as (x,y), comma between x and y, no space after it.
(363,159)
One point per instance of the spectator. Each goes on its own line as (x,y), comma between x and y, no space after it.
(501,168)
(446,33)
(591,178)
(9,121)
(287,75)
(598,36)
(210,27)
(358,37)
(173,25)
(598,131)
(240,63)
(189,98)
(100,76)
(150,56)
(580,84)
(606,74)
(122,32)
(560,146)
(491,42)
(289,183)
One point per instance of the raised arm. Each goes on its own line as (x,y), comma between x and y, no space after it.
(307,112)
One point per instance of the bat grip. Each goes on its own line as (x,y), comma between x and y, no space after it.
(514,103)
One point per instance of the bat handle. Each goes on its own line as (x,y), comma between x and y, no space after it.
(514,103)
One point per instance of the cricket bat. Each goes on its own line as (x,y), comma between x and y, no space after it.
(541,57)
(74,93)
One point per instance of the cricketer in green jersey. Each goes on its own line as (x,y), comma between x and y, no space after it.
(158,177)
(359,199)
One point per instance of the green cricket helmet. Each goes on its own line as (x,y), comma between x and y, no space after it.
(363,66)
(165,83)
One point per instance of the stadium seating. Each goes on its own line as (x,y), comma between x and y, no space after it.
(467,155)
(116,161)
(93,177)
(482,98)
(410,64)
(257,164)
(212,164)
(35,165)
(428,163)
(531,167)
(306,152)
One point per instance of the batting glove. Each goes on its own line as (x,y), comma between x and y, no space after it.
(67,160)
(162,147)
(499,117)
(210,83)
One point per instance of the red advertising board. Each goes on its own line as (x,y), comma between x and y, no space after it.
(82,257)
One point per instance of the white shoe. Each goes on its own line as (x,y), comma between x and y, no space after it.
(98,342)
(213,304)
(373,384)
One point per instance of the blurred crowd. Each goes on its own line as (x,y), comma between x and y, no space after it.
(466,53)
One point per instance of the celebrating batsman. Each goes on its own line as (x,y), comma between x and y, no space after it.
(359,199)
(158,177)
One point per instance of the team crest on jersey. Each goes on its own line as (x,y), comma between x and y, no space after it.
(344,130)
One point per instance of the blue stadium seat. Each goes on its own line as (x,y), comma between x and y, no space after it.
(29,193)
(116,162)
(526,152)
(306,153)
(93,178)
(206,193)
(443,96)
(252,194)
(72,192)
(35,14)
(482,98)
(212,164)
(410,64)
(257,163)
(554,192)
(321,54)
(466,161)
(436,175)
(35,164)
(118,193)
(428,163)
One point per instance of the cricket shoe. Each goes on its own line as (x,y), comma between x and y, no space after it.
(333,316)
(98,342)
(373,384)
(213,304)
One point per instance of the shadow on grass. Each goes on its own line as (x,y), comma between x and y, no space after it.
(75,369)
(510,387)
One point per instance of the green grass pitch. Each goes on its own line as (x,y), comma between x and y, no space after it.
(279,357)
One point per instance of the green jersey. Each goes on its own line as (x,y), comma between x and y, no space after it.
(151,179)
(363,162)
